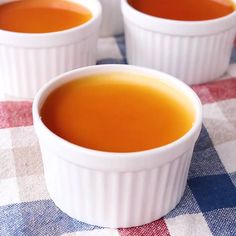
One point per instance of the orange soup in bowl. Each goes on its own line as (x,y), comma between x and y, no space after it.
(118,112)
(185,10)
(42,16)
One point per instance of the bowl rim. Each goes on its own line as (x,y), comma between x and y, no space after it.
(182,21)
(96,14)
(158,24)
(42,94)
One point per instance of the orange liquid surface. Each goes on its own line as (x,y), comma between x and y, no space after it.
(186,10)
(116,113)
(42,16)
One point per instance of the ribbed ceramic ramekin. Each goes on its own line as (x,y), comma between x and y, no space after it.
(112,19)
(27,61)
(115,189)
(193,51)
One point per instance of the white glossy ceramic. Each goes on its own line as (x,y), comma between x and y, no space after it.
(27,61)
(115,189)
(112,19)
(193,51)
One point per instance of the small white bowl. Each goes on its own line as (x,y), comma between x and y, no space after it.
(193,51)
(28,60)
(112,19)
(115,189)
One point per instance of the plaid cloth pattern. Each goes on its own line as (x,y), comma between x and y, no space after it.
(208,206)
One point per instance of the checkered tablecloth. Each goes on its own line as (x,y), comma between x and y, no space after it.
(209,203)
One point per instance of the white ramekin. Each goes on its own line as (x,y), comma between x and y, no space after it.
(194,52)
(115,189)
(112,19)
(27,61)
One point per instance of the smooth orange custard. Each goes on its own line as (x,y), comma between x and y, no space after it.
(185,10)
(42,16)
(118,113)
